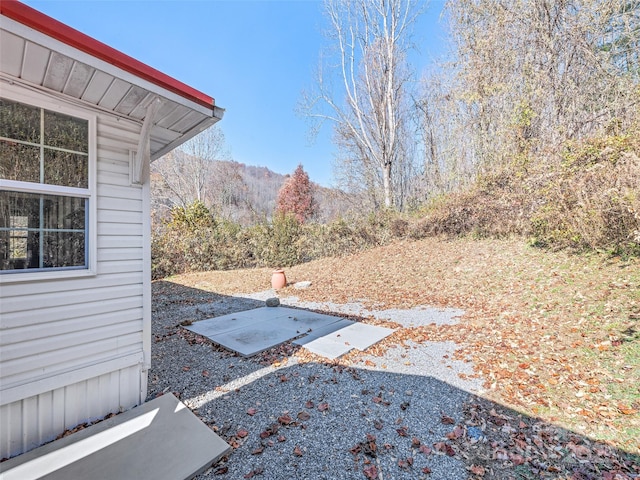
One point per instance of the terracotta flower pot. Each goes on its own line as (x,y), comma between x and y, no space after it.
(278,279)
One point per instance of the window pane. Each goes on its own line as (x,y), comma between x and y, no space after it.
(67,132)
(16,207)
(51,224)
(63,213)
(19,243)
(67,169)
(19,250)
(19,121)
(19,162)
(63,249)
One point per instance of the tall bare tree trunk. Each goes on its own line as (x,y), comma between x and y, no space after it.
(529,76)
(371,39)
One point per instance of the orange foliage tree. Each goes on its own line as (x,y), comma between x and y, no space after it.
(296,196)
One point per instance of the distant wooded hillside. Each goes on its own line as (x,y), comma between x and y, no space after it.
(245,194)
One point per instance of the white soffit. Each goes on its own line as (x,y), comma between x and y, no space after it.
(38,60)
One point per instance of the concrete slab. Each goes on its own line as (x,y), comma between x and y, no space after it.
(328,347)
(213,328)
(234,321)
(253,331)
(323,331)
(334,343)
(308,316)
(255,338)
(303,321)
(362,335)
(161,439)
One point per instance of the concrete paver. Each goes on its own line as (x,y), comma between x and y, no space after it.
(253,331)
(328,347)
(323,331)
(362,335)
(161,439)
(255,338)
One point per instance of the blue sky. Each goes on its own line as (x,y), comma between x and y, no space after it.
(254,57)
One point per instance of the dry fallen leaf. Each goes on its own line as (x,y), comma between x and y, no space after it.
(447,420)
(304,416)
(258,450)
(426,450)
(371,472)
(625,410)
(285,419)
(457,432)
(254,472)
(444,448)
(579,450)
(477,470)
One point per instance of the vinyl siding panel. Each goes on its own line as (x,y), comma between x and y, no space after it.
(118,216)
(26,318)
(81,323)
(56,298)
(116,203)
(33,421)
(72,348)
(48,363)
(116,254)
(127,193)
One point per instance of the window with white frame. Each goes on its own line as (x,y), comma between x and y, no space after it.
(44,189)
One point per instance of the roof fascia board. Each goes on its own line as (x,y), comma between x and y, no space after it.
(45,40)
(55,29)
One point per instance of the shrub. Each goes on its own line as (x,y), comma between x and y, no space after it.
(593,200)
(283,241)
(193,240)
(587,197)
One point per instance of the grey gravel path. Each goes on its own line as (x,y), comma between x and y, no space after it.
(399,399)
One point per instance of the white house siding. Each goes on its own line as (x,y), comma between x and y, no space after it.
(72,350)
(28,423)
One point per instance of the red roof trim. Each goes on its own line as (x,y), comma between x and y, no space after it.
(39,21)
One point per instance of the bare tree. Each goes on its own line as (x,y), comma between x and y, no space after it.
(188,174)
(535,73)
(526,77)
(371,40)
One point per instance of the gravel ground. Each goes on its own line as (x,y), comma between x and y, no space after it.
(380,417)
